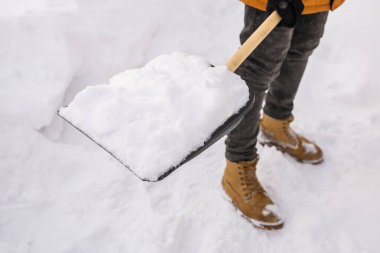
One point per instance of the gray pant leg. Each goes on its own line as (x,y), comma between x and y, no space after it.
(259,70)
(307,34)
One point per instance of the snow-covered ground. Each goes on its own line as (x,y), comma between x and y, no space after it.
(61,193)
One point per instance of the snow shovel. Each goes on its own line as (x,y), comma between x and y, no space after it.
(232,64)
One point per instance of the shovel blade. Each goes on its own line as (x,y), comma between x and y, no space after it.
(217,134)
(158,117)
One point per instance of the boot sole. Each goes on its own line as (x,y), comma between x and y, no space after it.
(256,223)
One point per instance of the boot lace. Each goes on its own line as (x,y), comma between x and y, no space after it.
(249,180)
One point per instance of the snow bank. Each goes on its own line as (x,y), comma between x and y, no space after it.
(152,117)
(36,69)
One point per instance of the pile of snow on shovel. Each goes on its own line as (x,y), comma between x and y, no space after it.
(151,117)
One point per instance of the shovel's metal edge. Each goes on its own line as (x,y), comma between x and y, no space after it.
(221,131)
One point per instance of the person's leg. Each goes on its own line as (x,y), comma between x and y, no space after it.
(275,124)
(307,34)
(239,181)
(258,70)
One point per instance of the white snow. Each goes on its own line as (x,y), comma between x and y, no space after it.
(152,117)
(309,148)
(61,193)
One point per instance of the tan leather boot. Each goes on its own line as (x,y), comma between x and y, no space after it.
(242,186)
(278,133)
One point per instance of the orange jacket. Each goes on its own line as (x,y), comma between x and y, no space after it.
(311,6)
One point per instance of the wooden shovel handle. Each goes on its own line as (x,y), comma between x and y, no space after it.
(253,41)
